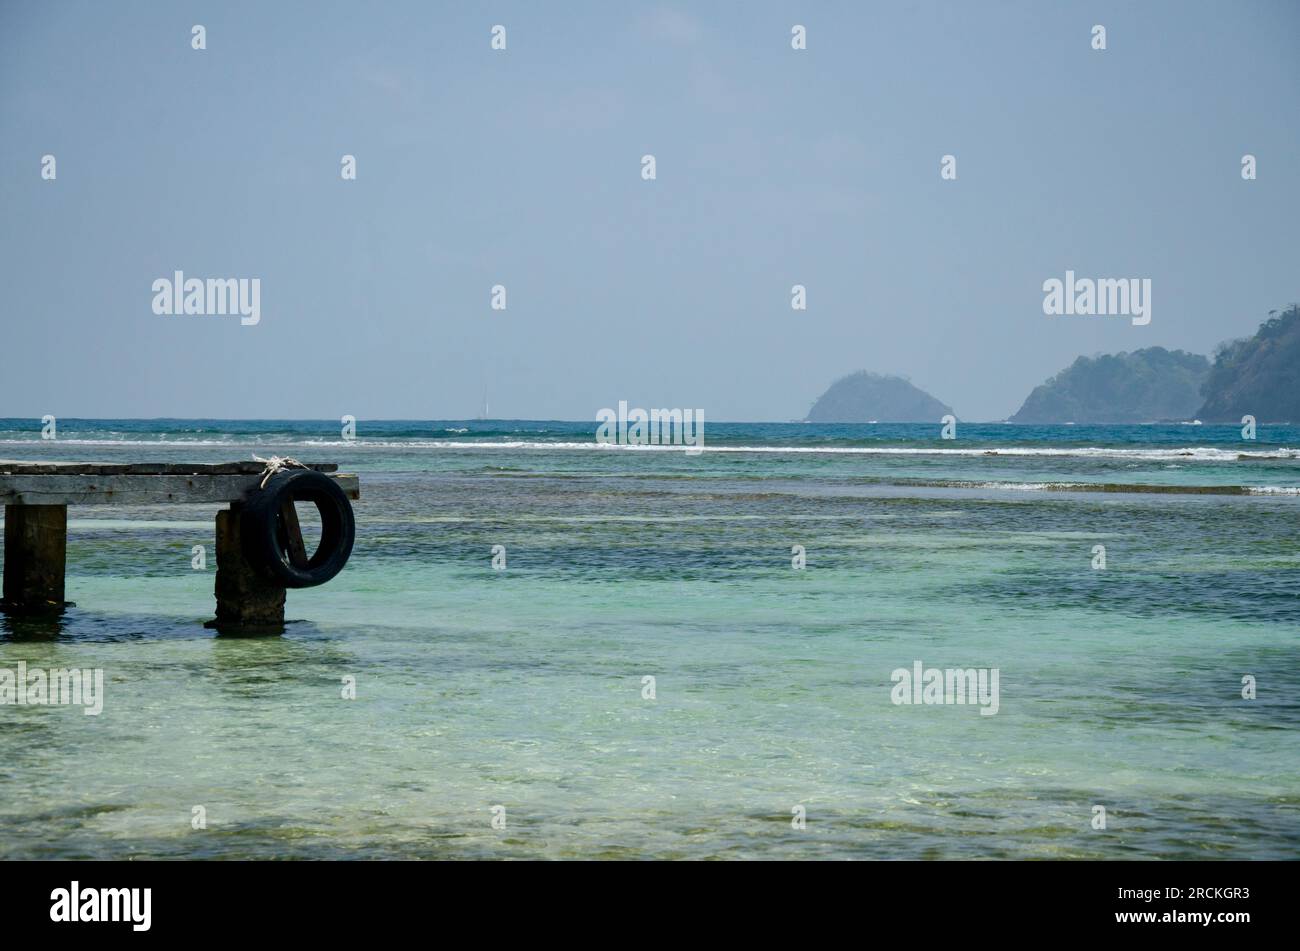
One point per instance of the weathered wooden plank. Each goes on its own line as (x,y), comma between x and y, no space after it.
(134,489)
(243,467)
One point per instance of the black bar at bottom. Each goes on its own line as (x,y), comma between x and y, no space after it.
(961,902)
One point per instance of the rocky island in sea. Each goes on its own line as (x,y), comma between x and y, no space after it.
(1145,386)
(1257,376)
(864,397)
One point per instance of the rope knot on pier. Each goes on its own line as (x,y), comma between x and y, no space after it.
(275,464)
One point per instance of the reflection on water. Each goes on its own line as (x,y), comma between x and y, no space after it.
(42,626)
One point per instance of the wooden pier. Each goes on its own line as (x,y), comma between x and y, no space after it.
(36,496)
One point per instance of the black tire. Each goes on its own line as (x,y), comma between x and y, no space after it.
(264,540)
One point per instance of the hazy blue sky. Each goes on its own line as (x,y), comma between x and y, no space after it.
(775,167)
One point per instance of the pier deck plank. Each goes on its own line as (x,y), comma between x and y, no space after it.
(242,467)
(79,483)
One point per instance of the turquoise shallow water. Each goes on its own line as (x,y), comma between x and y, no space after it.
(523,687)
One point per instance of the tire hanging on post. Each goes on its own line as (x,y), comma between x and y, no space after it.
(272,540)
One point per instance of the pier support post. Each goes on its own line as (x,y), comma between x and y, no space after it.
(36,552)
(247,602)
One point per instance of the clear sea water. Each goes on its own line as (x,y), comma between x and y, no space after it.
(523,688)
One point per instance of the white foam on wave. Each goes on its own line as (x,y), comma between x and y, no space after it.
(1172,488)
(1196,453)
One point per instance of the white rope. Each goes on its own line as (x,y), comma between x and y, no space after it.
(275,464)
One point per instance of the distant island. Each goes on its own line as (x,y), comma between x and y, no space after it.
(864,397)
(1257,376)
(1144,386)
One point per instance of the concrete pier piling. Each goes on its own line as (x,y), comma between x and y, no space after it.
(36,550)
(246,600)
